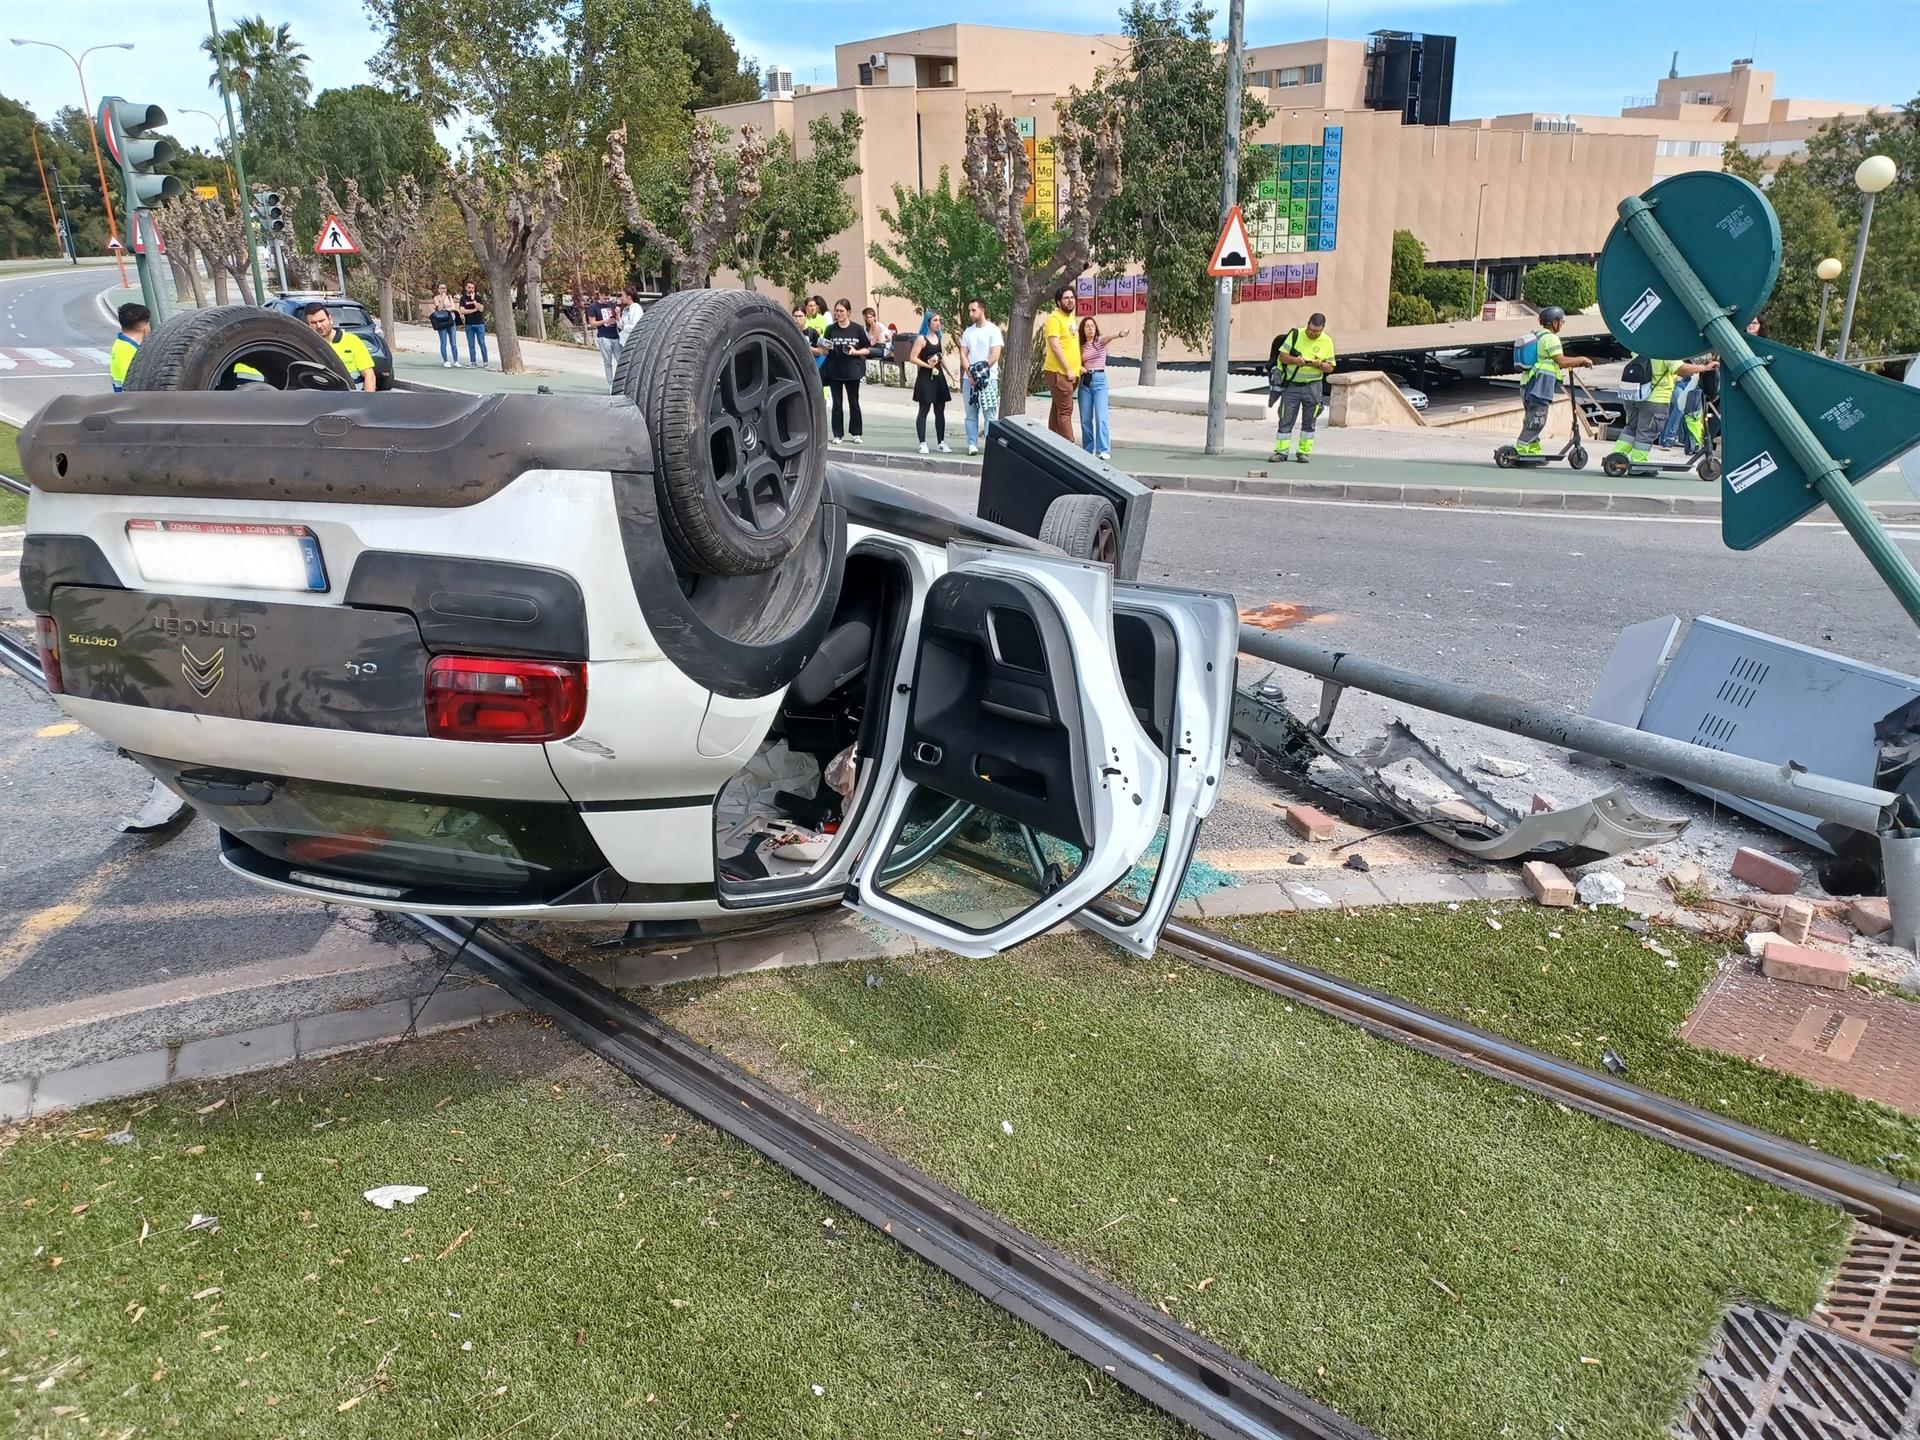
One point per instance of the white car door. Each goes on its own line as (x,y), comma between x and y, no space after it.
(1025,784)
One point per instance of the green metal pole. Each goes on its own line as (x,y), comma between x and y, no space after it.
(1747,370)
(244,200)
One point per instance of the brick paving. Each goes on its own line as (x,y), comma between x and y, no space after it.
(1860,1041)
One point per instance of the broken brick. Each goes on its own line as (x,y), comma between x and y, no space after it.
(1829,932)
(1309,823)
(1870,915)
(1549,883)
(1796,921)
(1765,872)
(1801,966)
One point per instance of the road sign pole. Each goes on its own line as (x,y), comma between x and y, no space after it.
(340,270)
(1746,370)
(1229,197)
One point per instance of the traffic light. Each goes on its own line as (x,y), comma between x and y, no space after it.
(271,215)
(129,133)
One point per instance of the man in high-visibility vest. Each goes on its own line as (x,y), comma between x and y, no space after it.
(1637,440)
(135,321)
(1297,364)
(351,349)
(1540,386)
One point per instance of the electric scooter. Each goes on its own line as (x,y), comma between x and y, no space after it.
(1706,462)
(1574,452)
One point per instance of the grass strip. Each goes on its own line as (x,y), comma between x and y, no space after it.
(13,508)
(1433,1254)
(586,1261)
(1573,983)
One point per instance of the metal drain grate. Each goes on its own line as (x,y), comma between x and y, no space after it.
(1770,1377)
(1876,1296)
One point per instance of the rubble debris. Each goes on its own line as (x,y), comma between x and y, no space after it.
(1399,781)
(1758,941)
(1309,823)
(161,811)
(1600,888)
(1298,857)
(1542,803)
(1829,932)
(1801,966)
(385,1195)
(1796,922)
(1765,872)
(1610,1058)
(1869,915)
(1503,767)
(1357,861)
(1548,882)
(1687,875)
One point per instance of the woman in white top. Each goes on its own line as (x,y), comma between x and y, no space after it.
(630,312)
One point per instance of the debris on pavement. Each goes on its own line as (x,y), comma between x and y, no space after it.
(1299,857)
(1600,888)
(1802,966)
(1503,767)
(1357,861)
(1869,915)
(1758,940)
(1309,823)
(1764,871)
(1796,921)
(385,1196)
(1549,883)
(162,809)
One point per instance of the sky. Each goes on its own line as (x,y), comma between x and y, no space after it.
(1548,55)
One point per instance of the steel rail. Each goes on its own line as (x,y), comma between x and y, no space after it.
(1214,1391)
(22,660)
(18,487)
(1890,1203)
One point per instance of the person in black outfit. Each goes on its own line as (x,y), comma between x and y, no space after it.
(844,348)
(930,388)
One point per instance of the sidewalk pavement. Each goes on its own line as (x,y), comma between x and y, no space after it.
(1395,466)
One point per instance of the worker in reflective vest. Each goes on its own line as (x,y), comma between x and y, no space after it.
(135,321)
(1297,367)
(1540,386)
(1637,438)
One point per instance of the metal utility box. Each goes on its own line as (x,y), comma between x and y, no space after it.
(1026,467)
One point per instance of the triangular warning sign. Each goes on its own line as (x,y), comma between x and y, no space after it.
(1233,252)
(334,239)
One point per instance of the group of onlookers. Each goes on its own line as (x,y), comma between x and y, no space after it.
(453,313)
(1076,361)
(842,347)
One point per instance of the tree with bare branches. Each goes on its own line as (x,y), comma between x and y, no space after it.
(175,220)
(385,232)
(509,212)
(219,236)
(721,183)
(1086,152)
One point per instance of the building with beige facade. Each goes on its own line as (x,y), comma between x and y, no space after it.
(1497,193)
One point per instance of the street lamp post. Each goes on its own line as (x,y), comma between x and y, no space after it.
(1875,174)
(106,200)
(1829,271)
(226,147)
(1479,207)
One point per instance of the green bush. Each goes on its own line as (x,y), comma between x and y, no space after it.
(1454,294)
(1559,282)
(1409,260)
(1409,310)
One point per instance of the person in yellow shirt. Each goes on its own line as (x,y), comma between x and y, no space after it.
(135,321)
(1296,365)
(351,349)
(1062,365)
(1642,432)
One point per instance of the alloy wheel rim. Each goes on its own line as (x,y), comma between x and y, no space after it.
(758,429)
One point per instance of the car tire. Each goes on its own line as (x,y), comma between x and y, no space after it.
(1084,526)
(198,350)
(727,385)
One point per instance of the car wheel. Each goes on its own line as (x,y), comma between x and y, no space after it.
(204,350)
(1084,526)
(727,385)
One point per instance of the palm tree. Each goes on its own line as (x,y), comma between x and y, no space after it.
(252,48)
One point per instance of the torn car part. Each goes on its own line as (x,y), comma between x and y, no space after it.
(1409,780)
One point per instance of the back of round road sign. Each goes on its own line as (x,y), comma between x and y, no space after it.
(1727,232)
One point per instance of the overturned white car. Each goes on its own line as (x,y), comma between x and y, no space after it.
(643,657)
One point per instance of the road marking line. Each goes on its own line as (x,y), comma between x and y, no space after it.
(90,352)
(50,359)
(76,375)
(43,924)
(54,732)
(7,362)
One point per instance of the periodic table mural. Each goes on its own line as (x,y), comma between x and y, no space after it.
(1296,205)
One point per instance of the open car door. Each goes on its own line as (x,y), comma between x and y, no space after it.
(1026,785)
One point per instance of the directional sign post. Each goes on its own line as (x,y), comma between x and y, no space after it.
(1685,267)
(335,241)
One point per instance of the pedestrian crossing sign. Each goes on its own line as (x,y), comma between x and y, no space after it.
(334,239)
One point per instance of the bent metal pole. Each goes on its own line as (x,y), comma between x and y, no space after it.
(1858,807)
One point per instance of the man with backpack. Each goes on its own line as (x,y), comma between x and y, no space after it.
(1654,381)
(1297,367)
(1543,365)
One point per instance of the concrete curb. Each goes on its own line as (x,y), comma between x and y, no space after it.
(1458,497)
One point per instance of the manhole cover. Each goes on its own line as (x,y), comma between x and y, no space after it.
(1876,1296)
(1769,1377)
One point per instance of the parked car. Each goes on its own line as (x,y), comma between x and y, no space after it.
(645,656)
(349,315)
(1416,398)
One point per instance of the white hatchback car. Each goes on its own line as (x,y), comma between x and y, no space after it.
(643,657)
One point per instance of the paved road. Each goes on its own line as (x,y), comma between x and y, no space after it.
(53,337)
(1523,603)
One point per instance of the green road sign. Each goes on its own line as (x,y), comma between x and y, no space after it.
(1727,233)
(1862,420)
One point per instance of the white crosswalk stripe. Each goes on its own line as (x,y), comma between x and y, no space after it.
(7,362)
(88,352)
(48,359)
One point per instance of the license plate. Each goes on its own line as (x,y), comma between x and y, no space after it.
(229,554)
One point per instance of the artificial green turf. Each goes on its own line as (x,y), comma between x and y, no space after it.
(587,1262)
(1431,1253)
(1575,982)
(13,508)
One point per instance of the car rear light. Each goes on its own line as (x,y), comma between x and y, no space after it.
(47,636)
(512,701)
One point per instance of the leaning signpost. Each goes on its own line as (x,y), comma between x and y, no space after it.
(1686,266)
